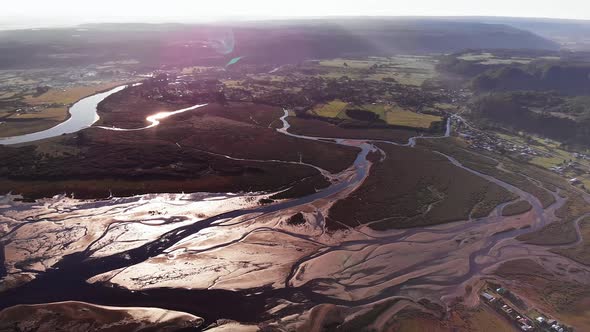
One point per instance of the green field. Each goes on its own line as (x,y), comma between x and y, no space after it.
(398,116)
(332,109)
(405,69)
(348,63)
(410,119)
(487,58)
(391,114)
(51,109)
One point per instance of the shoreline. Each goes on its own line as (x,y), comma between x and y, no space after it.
(68,112)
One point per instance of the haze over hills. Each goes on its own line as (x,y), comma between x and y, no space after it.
(269,41)
(570,34)
(338,174)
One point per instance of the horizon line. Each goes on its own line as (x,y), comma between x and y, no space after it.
(66,21)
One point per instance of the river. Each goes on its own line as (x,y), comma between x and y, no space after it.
(67,279)
(83,114)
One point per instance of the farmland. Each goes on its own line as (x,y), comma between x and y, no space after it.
(315,127)
(97,163)
(410,119)
(29,102)
(486,58)
(308,194)
(332,109)
(405,69)
(391,114)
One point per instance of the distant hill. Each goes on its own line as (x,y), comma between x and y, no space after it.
(567,78)
(516,110)
(261,41)
(570,34)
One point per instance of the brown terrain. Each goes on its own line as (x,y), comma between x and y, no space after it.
(315,127)
(354,234)
(516,208)
(413,187)
(214,149)
(78,316)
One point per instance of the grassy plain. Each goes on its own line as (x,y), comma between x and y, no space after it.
(486,58)
(333,109)
(391,114)
(405,69)
(410,119)
(69,95)
(51,108)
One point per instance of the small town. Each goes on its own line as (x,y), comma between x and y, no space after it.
(504,302)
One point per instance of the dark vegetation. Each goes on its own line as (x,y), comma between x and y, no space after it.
(548,180)
(320,128)
(572,33)
(362,121)
(548,97)
(568,78)
(185,153)
(517,111)
(581,252)
(2,261)
(453,64)
(303,187)
(240,130)
(127,169)
(298,87)
(415,187)
(301,93)
(363,115)
(487,166)
(515,208)
(530,278)
(296,219)
(561,231)
(567,75)
(263,42)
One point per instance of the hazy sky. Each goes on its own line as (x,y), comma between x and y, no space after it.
(53,11)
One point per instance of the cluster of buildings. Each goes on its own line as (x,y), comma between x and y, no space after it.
(572,166)
(552,325)
(519,320)
(481,140)
(580,156)
(29,109)
(455,96)
(496,299)
(168,87)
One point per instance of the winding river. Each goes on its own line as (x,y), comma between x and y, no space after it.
(484,249)
(82,115)
(154,119)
